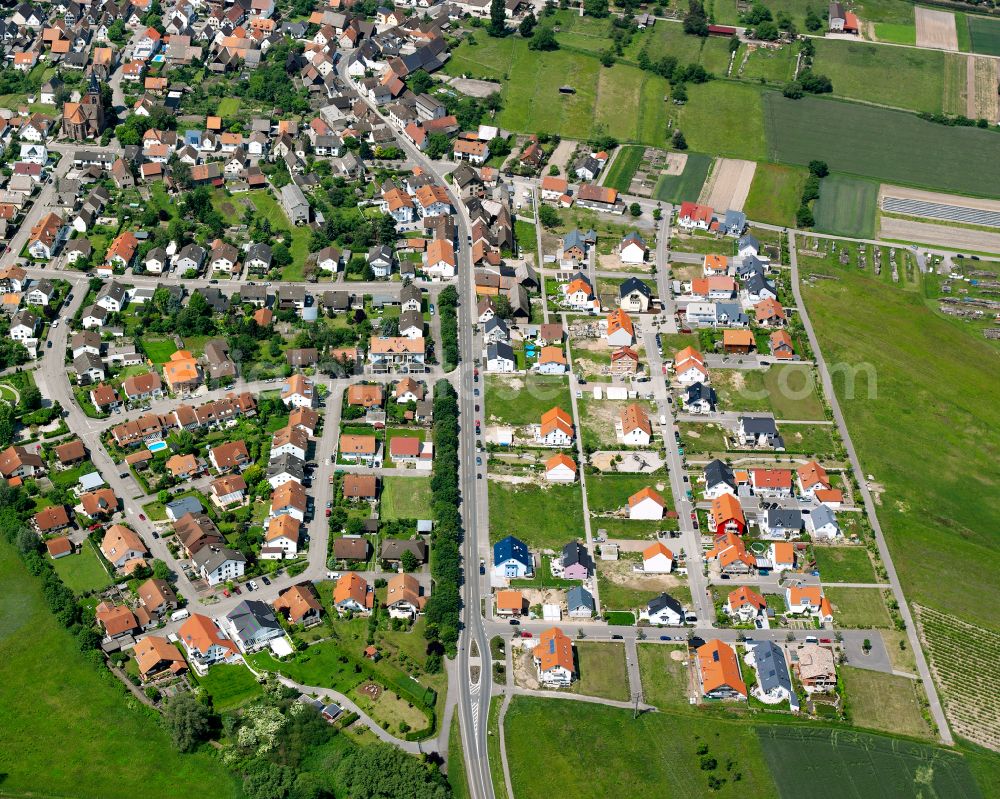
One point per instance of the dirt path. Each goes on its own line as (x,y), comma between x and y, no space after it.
(936,29)
(560,156)
(729,184)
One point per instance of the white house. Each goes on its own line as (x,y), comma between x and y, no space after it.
(500,358)
(821,522)
(657,559)
(553,657)
(646,504)
(632,249)
(555,428)
(663,610)
(560,468)
(512,559)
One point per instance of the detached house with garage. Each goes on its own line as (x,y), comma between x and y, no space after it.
(553,657)
(745,605)
(719,671)
(663,610)
(205,644)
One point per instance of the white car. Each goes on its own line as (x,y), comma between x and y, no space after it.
(252,585)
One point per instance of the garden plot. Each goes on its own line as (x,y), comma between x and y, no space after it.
(936,29)
(729,184)
(964,658)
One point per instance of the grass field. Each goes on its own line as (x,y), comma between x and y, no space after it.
(895,76)
(687,185)
(775,194)
(788,391)
(852,138)
(724,118)
(984,34)
(609,492)
(158,350)
(773,66)
(230,685)
(457,778)
(602,670)
(51,700)
(82,572)
(939,514)
(623,169)
(895,32)
(884,702)
(541,517)
(664,678)
(406,498)
(844,564)
(827,763)
(846,206)
(589,750)
(522,399)
(862,608)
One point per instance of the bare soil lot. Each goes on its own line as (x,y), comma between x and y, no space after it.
(981,97)
(944,235)
(729,184)
(936,29)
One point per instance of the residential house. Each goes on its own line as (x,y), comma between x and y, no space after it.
(646,504)
(253,624)
(719,671)
(620,330)
(217,564)
(574,563)
(512,559)
(205,644)
(657,559)
(122,546)
(560,468)
(745,605)
(634,296)
(699,398)
(403,597)
(580,603)
(636,429)
(553,657)
(663,611)
(555,428)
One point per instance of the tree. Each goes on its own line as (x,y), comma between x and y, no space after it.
(188,721)
(679,93)
(438,146)
(819,168)
(420,82)
(813,20)
(499,146)
(696,20)
(408,561)
(678,141)
(31,398)
(527,25)
(381,771)
(757,14)
(595,8)
(767,31)
(281,255)
(635,209)
(804,216)
(866,645)
(608,59)
(498,18)
(815,84)
(793,90)
(548,217)
(543,39)
(502,305)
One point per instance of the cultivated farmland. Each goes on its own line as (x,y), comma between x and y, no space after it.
(687,185)
(724,118)
(985,35)
(833,764)
(846,206)
(775,194)
(964,659)
(879,143)
(884,702)
(623,168)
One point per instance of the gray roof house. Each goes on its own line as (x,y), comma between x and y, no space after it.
(773,680)
(179,508)
(252,624)
(579,602)
(295,204)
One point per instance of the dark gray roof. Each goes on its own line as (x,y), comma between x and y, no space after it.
(251,616)
(633,284)
(665,601)
(393,549)
(499,350)
(759,425)
(718,472)
(785,518)
(697,392)
(575,552)
(579,597)
(772,671)
(185,505)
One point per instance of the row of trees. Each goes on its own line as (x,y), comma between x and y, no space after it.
(443,607)
(448,309)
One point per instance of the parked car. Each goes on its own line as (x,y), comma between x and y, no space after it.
(664,637)
(142,517)
(514,621)
(526,634)
(225,592)
(264,580)
(617,637)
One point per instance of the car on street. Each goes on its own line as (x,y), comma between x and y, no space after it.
(664,637)
(252,585)
(155,534)
(48,345)
(724,576)
(142,517)
(514,621)
(479,461)
(264,580)
(476,392)
(236,589)
(617,637)
(526,634)
(826,640)
(225,592)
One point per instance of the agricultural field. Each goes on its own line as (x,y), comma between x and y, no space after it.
(984,34)
(860,608)
(725,119)
(687,185)
(847,206)
(900,77)
(522,399)
(825,763)
(80,711)
(405,498)
(844,564)
(619,176)
(896,33)
(964,658)
(775,194)
(544,517)
(938,515)
(852,138)
(601,669)
(884,702)
(589,748)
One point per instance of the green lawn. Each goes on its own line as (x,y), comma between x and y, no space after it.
(52,701)
(939,510)
(773,66)
(788,391)
(83,572)
(590,750)
(228,107)
(547,517)
(230,685)
(664,677)
(815,440)
(897,33)
(858,607)
(522,399)
(601,670)
(846,206)
(852,138)
(687,185)
(884,702)
(406,498)
(158,350)
(457,778)
(775,194)
(844,564)
(895,76)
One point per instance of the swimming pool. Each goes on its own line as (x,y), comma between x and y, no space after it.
(157,446)
(159,58)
